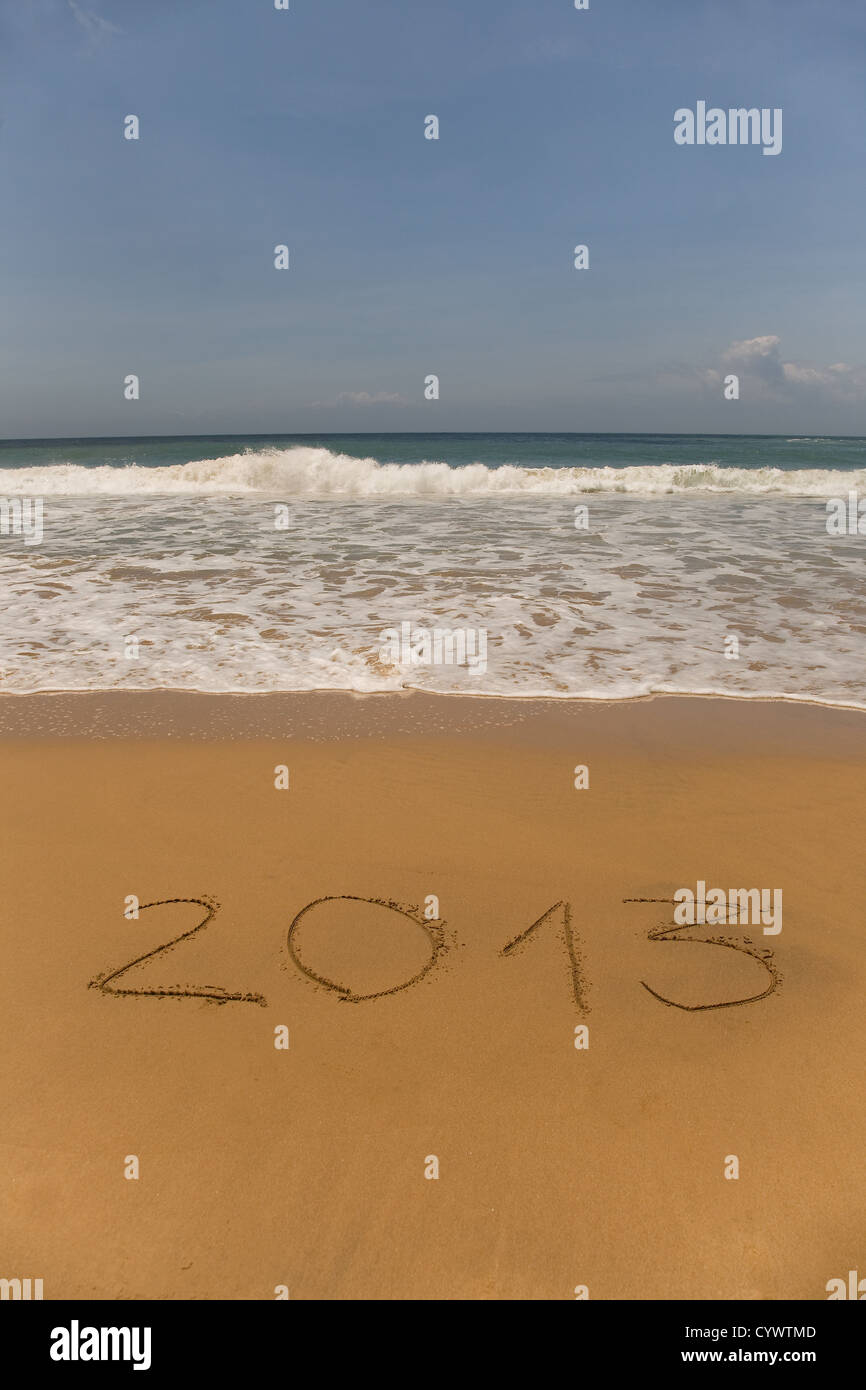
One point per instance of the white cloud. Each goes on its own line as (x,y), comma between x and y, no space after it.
(93,24)
(363,398)
(760,362)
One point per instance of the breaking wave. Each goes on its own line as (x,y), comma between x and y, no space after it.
(317,473)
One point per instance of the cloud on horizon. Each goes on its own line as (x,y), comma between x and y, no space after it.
(362,398)
(760,361)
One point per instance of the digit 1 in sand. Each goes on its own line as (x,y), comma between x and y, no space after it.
(563,911)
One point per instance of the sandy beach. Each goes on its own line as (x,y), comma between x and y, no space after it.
(309,1168)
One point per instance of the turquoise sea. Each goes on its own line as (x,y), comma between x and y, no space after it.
(753,452)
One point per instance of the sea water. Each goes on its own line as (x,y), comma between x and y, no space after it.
(600,566)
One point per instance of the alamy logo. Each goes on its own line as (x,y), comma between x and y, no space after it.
(737,126)
(76,1343)
(22,516)
(20,1288)
(438,646)
(855,1288)
(715,907)
(846,518)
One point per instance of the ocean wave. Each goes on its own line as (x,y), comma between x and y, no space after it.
(175,593)
(316,473)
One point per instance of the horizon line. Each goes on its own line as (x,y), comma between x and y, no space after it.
(353,434)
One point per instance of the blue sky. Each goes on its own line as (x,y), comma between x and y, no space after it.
(411,256)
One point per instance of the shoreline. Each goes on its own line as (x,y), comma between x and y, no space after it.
(167,713)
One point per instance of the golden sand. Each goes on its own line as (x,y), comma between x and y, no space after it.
(310,1168)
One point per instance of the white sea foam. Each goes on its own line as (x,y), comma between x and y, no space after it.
(641,602)
(315,473)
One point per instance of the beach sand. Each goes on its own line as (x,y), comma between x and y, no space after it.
(558,1167)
